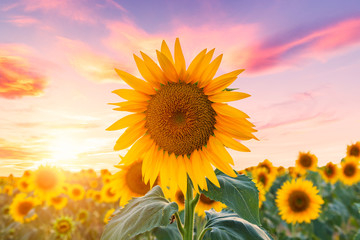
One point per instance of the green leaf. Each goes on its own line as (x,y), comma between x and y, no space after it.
(239,194)
(169,232)
(228,226)
(140,215)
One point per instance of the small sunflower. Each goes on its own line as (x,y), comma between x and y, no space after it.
(47,182)
(21,206)
(97,196)
(180,124)
(353,150)
(58,202)
(295,172)
(261,175)
(27,174)
(330,172)
(281,171)
(262,192)
(94,184)
(8,190)
(82,216)
(76,192)
(176,196)
(206,203)
(268,166)
(298,201)
(108,215)
(64,226)
(306,161)
(350,171)
(109,194)
(129,182)
(24,185)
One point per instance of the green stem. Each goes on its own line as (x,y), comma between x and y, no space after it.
(203,233)
(190,205)
(179,224)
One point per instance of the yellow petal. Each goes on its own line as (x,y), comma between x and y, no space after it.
(198,169)
(127,121)
(132,95)
(240,124)
(230,142)
(181,174)
(167,67)
(130,135)
(179,59)
(136,151)
(210,72)
(166,51)
(235,133)
(131,106)
(159,159)
(208,170)
(154,69)
(146,165)
(220,83)
(202,66)
(228,96)
(172,170)
(145,73)
(136,83)
(227,110)
(190,170)
(194,65)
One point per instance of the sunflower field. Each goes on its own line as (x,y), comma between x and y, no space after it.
(304,201)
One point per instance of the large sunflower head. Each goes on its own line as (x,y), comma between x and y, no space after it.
(47,182)
(206,204)
(353,150)
(128,182)
(298,201)
(350,171)
(64,226)
(21,208)
(306,161)
(76,192)
(330,172)
(180,124)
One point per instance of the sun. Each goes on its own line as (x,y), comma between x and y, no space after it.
(64,148)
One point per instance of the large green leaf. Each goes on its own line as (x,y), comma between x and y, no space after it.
(239,194)
(229,226)
(169,232)
(140,215)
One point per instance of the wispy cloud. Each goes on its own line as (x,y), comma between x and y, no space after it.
(22,21)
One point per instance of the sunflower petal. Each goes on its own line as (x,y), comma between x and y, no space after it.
(179,59)
(220,83)
(166,51)
(127,121)
(154,69)
(227,110)
(132,95)
(136,151)
(202,66)
(209,172)
(194,65)
(230,142)
(130,135)
(129,106)
(210,72)
(181,174)
(167,67)
(227,96)
(135,82)
(145,73)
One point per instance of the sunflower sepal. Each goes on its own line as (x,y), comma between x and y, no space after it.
(140,215)
(229,225)
(240,188)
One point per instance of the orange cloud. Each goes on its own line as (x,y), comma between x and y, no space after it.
(17,79)
(31,149)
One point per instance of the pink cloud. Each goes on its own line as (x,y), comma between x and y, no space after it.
(31,149)
(17,77)
(22,21)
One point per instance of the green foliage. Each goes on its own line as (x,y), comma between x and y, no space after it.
(140,215)
(228,226)
(240,194)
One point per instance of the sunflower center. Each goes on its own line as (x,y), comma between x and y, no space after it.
(56,200)
(299,201)
(354,151)
(24,207)
(305,161)
(63,226)
(179,118)
(266,167)
(110,193)
(206,200)
(46,180)
(349,170)
(180,197)
(329,170)
(263,179)
(24,184)
(134,180)
(76,192)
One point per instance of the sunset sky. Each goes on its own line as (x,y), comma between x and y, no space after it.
(57,60)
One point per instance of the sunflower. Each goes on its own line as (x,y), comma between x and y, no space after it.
(96,195)
(108,215)
(206,203)
(350,171)
(8,190)
(58,202)
(295,172)
(82,215)
(24,185)
(27,174)
(262,192)
(76,192)
(298,201)
(306,161)
(64,226)
(180,124)
(353,150)
(21,206)
(47,182)
(261,175)
(109,194)
(94,184)
(268,166)
(281,171)
(175,196)
(129,182)
(330,172)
